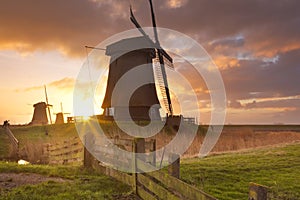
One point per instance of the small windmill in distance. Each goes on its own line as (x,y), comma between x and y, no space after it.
(40,112)
(60,115)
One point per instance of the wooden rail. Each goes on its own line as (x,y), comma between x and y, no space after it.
(66,152)
(152,185)
(13,140)
(258,192)
(164,186)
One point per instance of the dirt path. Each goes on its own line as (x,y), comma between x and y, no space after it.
(12,180)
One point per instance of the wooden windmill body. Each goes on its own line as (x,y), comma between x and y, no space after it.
(60,115)
(144,103)
(40,112)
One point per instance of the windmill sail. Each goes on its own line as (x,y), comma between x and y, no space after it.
(48,105)
(161,56)
(165,92)
(157,46)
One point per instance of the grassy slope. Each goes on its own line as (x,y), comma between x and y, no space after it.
(224,176)
(4,147)
(36,135)
(227,176)
(83,184)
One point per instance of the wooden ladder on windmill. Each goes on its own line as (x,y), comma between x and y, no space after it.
(161,84)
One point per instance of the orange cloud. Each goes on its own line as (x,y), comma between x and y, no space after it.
(65,83)
(33,88)
(224,62)
(62,84)
(57,25)
(176,3)
(271,47)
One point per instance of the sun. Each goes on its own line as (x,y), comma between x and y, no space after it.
(85,118)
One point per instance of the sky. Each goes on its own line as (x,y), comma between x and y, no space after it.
(254,43)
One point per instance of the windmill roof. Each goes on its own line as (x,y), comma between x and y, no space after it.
(129,44)
(39,104)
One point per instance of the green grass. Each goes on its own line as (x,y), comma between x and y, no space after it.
(31,135)
(223,176)
(36,135)
(227,176)
(81,184)
(4,146)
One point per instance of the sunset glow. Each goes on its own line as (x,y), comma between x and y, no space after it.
(257,52)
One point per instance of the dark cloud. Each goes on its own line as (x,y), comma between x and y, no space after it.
(289,104)
(238,34)
(235,104)
(268,27)
(286,103)
(229,42)
(287,116)
(256,79)
(59,24)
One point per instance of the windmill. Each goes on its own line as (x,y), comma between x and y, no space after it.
(144,103)
(40,112)
(60,115)
(162,58)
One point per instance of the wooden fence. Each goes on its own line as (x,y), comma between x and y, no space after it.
(14,142)
(147,185)
(65,152)
(258,192)
(152,185)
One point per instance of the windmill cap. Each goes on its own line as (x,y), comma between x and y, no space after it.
(130,44)
(40,104)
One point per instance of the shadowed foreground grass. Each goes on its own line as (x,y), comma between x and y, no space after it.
(80,184)
(223,176)
(227,176)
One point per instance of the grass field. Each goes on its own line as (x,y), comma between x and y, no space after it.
(224,176)
(227,176)
(80,184)
(33,136)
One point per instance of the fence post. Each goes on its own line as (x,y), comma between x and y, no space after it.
(87,156)
(46,154)
(174,168)
(257,192)
(134,176)
(138,147)
(153,150)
